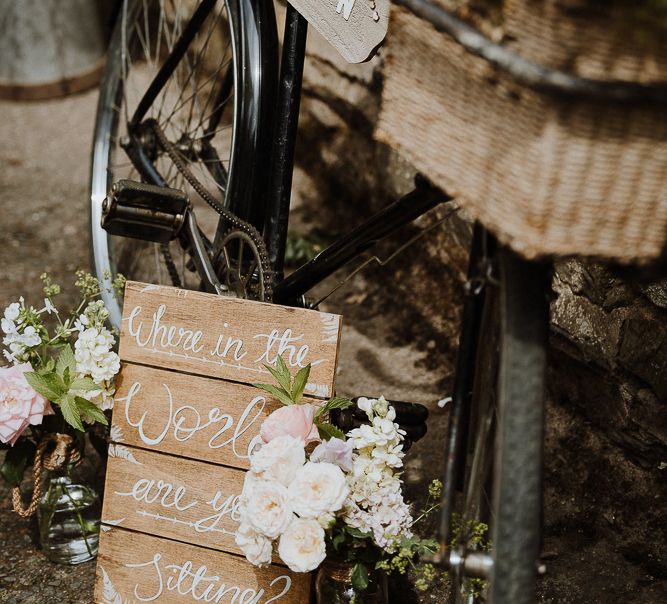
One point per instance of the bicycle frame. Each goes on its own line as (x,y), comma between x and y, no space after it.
(272,142)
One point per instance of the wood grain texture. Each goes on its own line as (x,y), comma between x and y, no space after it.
(190,416)
(168,496)
(226,338)
(355,38)
(134,568)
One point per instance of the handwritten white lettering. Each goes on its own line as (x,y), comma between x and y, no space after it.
(201,584)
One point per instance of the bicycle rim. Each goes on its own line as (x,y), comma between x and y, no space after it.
(500,511)
(196,108)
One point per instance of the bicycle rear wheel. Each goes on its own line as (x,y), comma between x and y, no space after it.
(501,504)
(211,109)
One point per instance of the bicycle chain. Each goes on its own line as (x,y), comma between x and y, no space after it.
(229,216)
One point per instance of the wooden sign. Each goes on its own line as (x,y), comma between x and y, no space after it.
(185,418)
(354,27)
(226,338)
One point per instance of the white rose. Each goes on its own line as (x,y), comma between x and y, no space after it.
(266,507)
(279,459)
(317,489)
(302,545)
(257,548)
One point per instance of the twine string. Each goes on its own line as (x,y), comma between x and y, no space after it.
(54,452)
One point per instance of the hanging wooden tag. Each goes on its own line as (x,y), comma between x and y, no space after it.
(354,27)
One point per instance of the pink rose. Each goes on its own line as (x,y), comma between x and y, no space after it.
(292,420)
(335,451)
(20,405)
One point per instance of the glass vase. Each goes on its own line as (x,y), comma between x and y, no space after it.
(69,521)
(333,585)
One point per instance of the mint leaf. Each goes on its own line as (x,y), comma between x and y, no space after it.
(337,402)
(48,385)
(65,361)
(84,384)
(280,377)
(328,431)
(17,459)
(70,411)
(284,372)
(91,410)
(300,381)
(359,577)
(279,393)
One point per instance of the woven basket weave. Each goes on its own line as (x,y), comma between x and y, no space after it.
(550,175)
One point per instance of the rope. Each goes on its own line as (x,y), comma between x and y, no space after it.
(54,452)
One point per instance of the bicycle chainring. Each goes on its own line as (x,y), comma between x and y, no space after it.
(238,265)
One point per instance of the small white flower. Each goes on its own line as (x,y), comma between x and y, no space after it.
(279,459)
(93,354)
(366,405)
(12,311)
(302,545)
(256,547)
(318,488)
(266,508)
(49,307)
(30,337)
(8,326)
(382,408)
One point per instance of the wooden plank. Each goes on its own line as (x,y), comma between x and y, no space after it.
(354,27)
(190,416)
(134,568)
(168,496)
(226,338)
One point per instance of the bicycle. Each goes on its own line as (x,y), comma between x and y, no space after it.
(214,151)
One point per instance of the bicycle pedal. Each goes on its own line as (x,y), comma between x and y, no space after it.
(143,211)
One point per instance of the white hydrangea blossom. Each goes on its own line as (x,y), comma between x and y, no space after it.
(376,504)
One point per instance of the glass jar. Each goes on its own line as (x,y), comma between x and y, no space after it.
(333,585)
(69,521)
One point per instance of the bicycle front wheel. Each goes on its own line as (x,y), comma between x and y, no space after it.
(211,108)
(500,513)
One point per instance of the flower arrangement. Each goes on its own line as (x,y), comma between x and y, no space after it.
(314,493)
(60,380)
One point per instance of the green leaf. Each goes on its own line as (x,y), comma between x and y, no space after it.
(358,533)
(279,393)
(284,372)
(84,384)
(359,577)
(48,385)
(300,381)
(91,410)
(17,459)
(65,361)
(337,402)
(328,431)
(283,380)
(338,540)
(70,412)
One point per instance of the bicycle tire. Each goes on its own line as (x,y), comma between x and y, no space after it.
(503,478)
(222,54)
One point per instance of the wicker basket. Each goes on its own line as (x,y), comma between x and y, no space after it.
(551,175)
